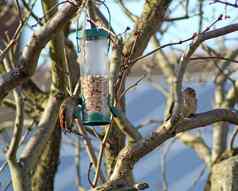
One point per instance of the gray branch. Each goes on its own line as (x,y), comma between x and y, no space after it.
(130,155)
(28,61)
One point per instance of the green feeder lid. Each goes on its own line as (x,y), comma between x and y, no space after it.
(94,33)
(96,119)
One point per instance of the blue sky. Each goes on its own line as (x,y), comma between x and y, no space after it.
(178,31)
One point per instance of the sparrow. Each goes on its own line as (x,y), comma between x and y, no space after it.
(189,102)
(189,105)
(66,112)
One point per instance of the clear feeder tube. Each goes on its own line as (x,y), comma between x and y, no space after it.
(94,76)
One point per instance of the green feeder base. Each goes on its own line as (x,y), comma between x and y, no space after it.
(96,119)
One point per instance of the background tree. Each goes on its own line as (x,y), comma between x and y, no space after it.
(34,166)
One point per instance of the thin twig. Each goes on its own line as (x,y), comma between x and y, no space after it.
(197,143)
(217,66)
(4,165)
(125,70)
(99,161)
(7,186)
(196,180)
(127,12)
(77,87)
(77,164)
(213,23)
(30,10)
(180,18)
(89,179)
(213,57)
(12,42)
(15,37)
(89,147)
(149,122)
(233,137)
(19,11)
(163,46)
(175,43)
(164,155)
(159,87)
(133,85)
(52,10)
(235,5)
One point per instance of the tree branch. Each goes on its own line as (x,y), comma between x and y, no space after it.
(198,145)
(17,131)
(36,144)
(235,5)
(31,52)
(11,153)
(149,22)
(89,148)
(127,12)
(201,37)
(125,125)
(130,155)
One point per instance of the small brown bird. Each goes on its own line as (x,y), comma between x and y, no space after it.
(189,104)
(66,112)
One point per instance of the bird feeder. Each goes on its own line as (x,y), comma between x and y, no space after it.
(94,76)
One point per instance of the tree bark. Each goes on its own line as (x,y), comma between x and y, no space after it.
(47,166)
(225,175)
(20,179)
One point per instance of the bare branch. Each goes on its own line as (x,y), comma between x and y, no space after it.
(12,42)
(213,57)
(89,147)
(161,47)
(104,20)
(127,12)
(198,145)
(17,131)
(233,137)
(4,165)
(185,60)
(57,53)
(152,15)
(149,122)
(166,66)
(36,144)
(231,96)
(133,85)
(130,155)
(235,5)
(31,52)
(101,152)
(125,125)
(120,187)
(164,154)
(91,10)
(29,9)
(77,165)
(15,141)
(19,11)
(197,178)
